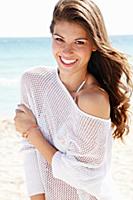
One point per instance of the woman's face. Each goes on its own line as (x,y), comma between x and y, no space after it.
(71,45)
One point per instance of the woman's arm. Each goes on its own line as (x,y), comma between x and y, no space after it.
(36,138)
(25,123)
(30,158)
(87,166)
(38,197)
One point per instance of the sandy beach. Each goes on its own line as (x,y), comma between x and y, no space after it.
(12,185)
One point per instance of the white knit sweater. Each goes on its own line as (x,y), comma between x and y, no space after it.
(81,168)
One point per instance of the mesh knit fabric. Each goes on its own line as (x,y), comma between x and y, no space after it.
(80,169)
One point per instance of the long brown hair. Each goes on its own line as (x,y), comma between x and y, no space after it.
(109,66)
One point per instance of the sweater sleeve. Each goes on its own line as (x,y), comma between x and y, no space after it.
(31,168)
(84,164)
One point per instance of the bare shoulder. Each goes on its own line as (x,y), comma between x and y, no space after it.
(95,102)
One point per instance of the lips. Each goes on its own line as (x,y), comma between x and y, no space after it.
(68,61)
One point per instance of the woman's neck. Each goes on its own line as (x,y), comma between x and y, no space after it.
(72,81)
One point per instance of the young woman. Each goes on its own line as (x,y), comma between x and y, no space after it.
(69,115)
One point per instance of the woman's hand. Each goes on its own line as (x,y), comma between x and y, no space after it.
(24,119)
(26,124)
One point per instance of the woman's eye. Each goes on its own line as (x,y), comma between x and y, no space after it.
(58,39)
(80,42)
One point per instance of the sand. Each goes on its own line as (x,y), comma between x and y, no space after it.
(12,186)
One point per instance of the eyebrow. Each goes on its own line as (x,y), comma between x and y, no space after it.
(56,34)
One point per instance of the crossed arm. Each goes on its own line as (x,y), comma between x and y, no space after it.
(26,125)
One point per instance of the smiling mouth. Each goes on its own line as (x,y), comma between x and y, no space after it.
(68,61)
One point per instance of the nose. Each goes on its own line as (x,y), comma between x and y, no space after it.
(67,49)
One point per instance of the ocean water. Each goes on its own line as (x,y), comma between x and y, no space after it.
(19,54)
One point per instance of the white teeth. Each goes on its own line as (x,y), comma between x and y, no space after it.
(68,61)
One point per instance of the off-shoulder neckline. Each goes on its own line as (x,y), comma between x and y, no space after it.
(73,102)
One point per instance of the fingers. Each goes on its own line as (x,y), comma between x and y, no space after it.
(18,118)
(23,108)
(25,135)
(19,111)
(23,119)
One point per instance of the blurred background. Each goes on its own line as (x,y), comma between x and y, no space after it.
(25,42)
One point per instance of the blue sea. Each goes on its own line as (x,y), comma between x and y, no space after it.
(19,54)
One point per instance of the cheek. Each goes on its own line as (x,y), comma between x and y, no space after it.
(55,48)
(53,45)
(86,52)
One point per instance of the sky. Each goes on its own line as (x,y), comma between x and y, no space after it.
(31,18)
